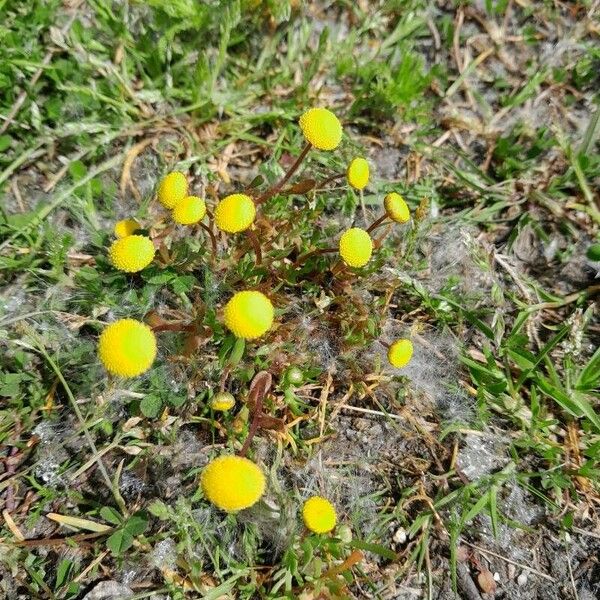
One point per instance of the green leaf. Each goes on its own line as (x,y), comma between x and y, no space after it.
(5,141)
(111,515)
(159,510)
(593,252)
(494,510)
(62,572)
(151,406)
(137,523)
(77,170)
(575,404)
(160,278)
(543,353)
(375,549)
(476,508)
(237,352)
(119,541)
(589,378)
(176,400)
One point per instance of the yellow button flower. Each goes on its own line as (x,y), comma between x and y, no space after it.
(127,348)
(249,314)
(400,353)
(358,173)
(126,227)
(131,253)
(222,401)
(396,207)
(319,514)
(172,188)
(235,213)
(321,128)
(356,247)
(189,210)
(232,483)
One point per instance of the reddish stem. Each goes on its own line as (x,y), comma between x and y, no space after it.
(213,239)
(275,188)
(330,179)
(377,223)
(258,390)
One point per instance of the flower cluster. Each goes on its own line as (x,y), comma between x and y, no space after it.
(128,348)
(234,483)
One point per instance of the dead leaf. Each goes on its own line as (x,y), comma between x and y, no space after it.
(486,582)
(126,181)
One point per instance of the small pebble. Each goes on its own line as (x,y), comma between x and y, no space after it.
(400,536)
(496,576)
(522,578)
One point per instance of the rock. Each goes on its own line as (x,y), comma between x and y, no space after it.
(522,579)
(109,590)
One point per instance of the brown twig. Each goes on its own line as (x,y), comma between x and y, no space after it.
(508,560)
(276,187)
(259,388)
(79,538)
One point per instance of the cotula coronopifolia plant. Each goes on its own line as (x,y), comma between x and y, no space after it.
(231,228)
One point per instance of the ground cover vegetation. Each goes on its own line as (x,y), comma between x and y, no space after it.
(297,299)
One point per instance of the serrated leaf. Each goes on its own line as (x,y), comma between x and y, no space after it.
(150,406)
(159,509)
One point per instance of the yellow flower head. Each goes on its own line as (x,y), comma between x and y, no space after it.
(189,210)
(126,227)
(356,247)
(319,515)
(400,353)
(232,483)
(358,173)
(249,314)
(131,253)
(127,348)
(321,128)
(396,207)
(235,213)
(172,188)
(222,401)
